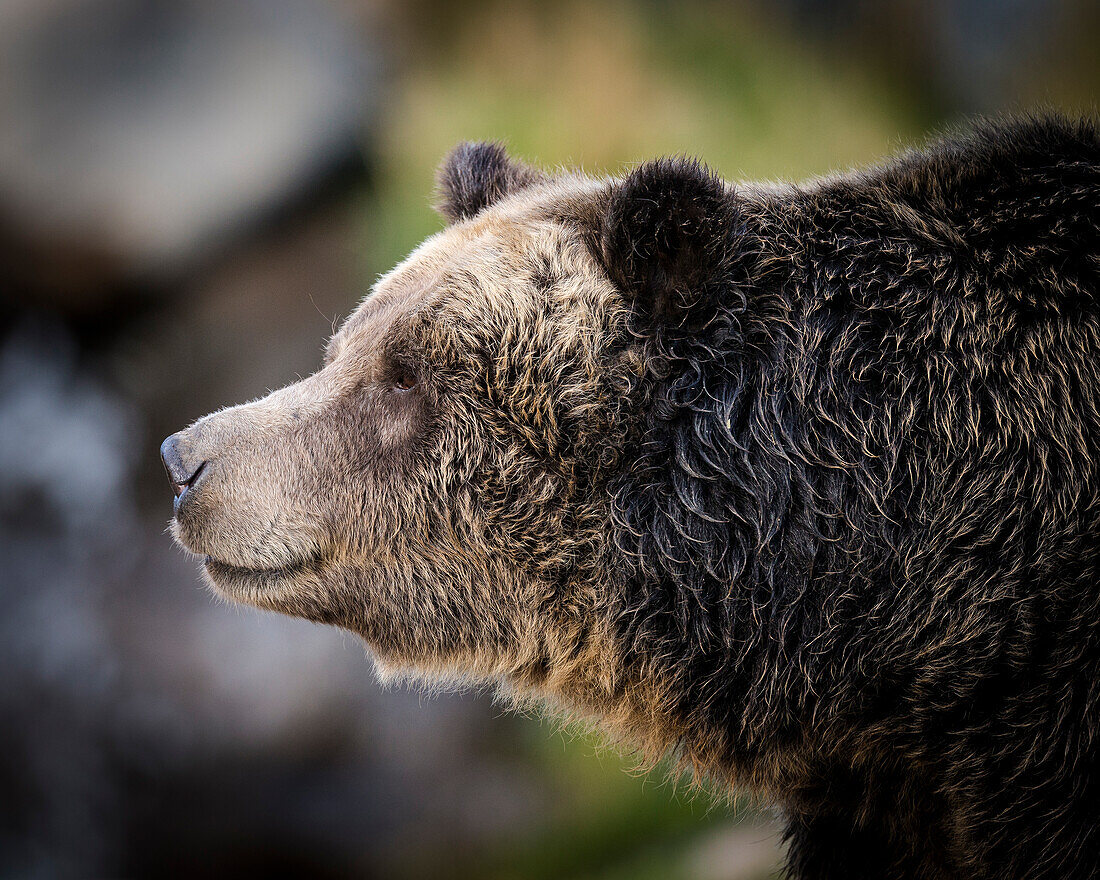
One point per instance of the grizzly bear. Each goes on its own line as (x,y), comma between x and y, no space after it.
(800,483)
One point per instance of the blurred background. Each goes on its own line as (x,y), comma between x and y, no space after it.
(192,194)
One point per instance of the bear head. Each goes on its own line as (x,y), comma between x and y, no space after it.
(444,485)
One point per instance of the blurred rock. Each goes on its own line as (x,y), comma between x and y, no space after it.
(66,509)
(139,137)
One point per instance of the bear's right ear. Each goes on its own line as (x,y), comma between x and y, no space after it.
(475,175)
(671,238)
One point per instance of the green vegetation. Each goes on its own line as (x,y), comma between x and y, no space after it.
(604,86)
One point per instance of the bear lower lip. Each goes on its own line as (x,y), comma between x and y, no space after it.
(218,569)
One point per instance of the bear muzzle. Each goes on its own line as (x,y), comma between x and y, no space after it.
(242,481)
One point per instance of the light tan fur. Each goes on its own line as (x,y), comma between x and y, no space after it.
(462,550)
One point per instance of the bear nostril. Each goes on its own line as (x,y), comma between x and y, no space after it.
(182,470)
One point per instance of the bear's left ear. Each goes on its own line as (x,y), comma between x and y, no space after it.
(671,238)
(475,175)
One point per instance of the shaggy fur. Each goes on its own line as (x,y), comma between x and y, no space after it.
(800,483)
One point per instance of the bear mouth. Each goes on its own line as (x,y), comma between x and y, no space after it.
(224,574)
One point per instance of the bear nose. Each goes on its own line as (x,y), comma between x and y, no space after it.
(183,468)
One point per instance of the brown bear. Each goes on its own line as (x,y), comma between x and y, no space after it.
(800,483)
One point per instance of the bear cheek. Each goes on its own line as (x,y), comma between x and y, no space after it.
(385,429)
(401,426)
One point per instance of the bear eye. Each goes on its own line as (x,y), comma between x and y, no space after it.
(405,378)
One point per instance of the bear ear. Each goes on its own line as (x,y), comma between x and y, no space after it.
(670,237)
(475,175)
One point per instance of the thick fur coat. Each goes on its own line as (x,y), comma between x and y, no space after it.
(865,510)
(799,482)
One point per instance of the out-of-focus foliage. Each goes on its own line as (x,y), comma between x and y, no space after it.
(599,86)
(753,89)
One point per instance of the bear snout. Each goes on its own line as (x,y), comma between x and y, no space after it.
(242,479)
(183,465)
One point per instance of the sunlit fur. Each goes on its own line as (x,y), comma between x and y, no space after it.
(800,483)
